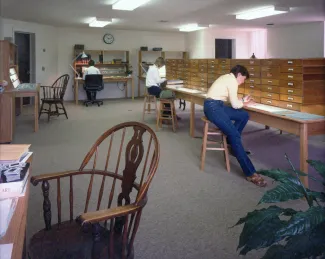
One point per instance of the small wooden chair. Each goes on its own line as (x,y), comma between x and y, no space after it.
(163,107)
(148,100)
(215,131)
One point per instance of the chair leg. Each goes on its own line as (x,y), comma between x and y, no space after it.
(49,112)
(57,110)
(172,110)
(175,115)
(65,112)
(225,146)
(204,144)
(40,111)
(144,107)
(158,117)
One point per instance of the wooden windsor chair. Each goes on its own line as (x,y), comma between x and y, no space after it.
(107,231)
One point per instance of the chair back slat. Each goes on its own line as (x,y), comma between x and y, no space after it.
(71,198)
(90,187)
(59,199)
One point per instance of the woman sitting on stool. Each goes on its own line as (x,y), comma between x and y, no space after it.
(223,89)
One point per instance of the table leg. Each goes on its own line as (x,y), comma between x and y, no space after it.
(76,86)
(36,105)
(304,152)
(139,82)
(132,88)
(126,89)
(192,120)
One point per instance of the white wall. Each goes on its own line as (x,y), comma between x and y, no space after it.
(296,41)
(124,40)
(46,39)
(1,28)
(201,44)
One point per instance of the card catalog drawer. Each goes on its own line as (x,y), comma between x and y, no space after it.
(253,68)
(203,65)
(270,88)
(270,69)
(224,61)
(211,80)
(212,72)
(269,101)
(272,96)
(254,74)
(296,77)
(266,75)
(213,61)
(253,92)
(256,99)
(290,106)
(291,62)
(203,70)
(212,66)
(290,83)
(222,72)
(270,81)
(291,69)
(252,87)
(194,70)
(203,61)
(291,91)
(291,98)
(253,81)
(203,75)
(270,62)
(224,67)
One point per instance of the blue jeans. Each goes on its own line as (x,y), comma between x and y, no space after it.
(222,116)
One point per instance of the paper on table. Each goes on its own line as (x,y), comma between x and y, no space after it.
(6,251)
(267,108)
(7,208)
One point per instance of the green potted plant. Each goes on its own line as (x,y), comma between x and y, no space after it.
(287,233)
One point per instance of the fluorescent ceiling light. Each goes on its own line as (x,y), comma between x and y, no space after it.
(261,12)
(99,22)
(129,5)
(191,27)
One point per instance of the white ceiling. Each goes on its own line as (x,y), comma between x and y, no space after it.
(75,13)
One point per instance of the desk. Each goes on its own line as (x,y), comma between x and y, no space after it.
(106,79)
(16,232)
(7,110)
(301,128)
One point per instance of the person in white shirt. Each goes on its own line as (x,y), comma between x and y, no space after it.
(91,70)
(153,79)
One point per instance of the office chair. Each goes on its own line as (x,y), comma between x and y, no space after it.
(93,84)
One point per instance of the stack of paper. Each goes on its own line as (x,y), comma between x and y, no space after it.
(7,209)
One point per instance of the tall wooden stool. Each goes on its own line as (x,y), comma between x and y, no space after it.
(161,116)
(148,101)
(213,131)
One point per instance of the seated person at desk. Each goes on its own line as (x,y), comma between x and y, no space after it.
(91,70)
(223,89)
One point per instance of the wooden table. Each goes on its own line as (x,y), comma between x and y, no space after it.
(16,232)
(301,128)
(107,79)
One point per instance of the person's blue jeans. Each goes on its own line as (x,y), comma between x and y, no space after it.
(222,116)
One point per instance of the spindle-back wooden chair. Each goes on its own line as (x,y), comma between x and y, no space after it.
(109,231)
(53,95)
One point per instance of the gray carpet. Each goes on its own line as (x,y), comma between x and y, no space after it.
(189,212)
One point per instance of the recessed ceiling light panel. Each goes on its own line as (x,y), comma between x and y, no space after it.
(261,12)
(192,27)
(97,22)
(129,5)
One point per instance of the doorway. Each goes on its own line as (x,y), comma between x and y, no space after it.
(26,59)
(224,48)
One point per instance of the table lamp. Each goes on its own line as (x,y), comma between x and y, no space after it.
(83,55)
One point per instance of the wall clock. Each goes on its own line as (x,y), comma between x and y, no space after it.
(108,38)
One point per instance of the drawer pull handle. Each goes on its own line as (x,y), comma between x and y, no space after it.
(269,88)
(290,76)
(290,62)
(290,69)
(290,91)
(289,105)
(270,82)
(251,86)
(251,81)
(269,101)
(290,83)
(290,98)
(269,95)
(252,74)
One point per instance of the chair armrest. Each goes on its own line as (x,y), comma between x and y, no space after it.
(101,215)
(46,177)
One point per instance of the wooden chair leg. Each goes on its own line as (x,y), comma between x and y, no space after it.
(172,110)
(40,111)
(49,112)
(225,146)
(144,107)
(204,144)
(65,112)
(158,117)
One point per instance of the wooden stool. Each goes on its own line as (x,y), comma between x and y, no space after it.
(161,116)
(223,142)
(148,100)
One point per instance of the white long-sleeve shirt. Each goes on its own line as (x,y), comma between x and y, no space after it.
(225,89)
(91,71)
(153,77)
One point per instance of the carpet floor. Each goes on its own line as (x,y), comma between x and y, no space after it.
(189,212)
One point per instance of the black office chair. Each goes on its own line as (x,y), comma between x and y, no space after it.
(93,84)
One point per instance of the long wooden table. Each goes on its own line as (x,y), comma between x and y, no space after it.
(301,128)
(106,79)
(16,232)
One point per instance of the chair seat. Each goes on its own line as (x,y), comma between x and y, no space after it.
(71,241)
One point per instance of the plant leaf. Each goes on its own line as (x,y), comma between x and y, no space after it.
(307,245)
(303,221)
(319,166)
(287,190)
(309,176)
(276,174)
(258,223)
(317,196)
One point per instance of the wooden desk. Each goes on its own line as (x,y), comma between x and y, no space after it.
(7,111)
(16,232)
(301,128)
(124,80)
